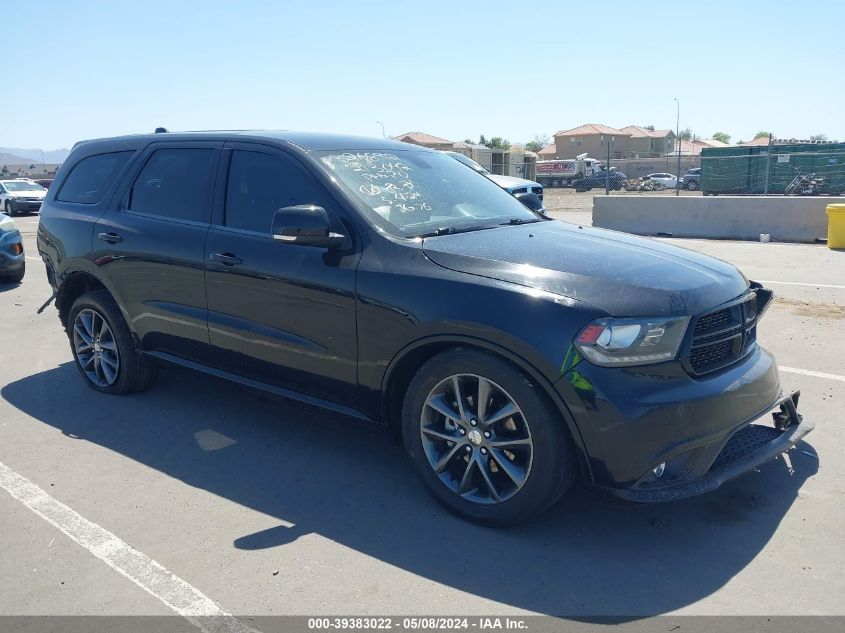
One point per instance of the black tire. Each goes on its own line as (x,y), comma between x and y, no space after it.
(134,372)
(552,463)
(10,210)
(15,277)
(692,185)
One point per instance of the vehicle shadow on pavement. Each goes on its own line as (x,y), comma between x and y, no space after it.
(4,286)
(589,556)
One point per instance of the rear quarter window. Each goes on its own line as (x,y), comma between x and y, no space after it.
(90,178)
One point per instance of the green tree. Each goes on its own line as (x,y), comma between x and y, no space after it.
(533,146)
(816,138)
(762,134)
(650,128)
(469,141)
(496,142)
(685,135)
(723,137)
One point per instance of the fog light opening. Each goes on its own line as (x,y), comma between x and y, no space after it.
(659,470)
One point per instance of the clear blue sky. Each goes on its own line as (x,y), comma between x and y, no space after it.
(456,69)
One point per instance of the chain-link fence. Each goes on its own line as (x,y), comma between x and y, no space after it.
(639,167)
(797,170)
(519,169)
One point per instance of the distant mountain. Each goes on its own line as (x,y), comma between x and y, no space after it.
(32,155)
(11,159)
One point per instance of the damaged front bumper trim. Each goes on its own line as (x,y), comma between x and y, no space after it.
(789,427)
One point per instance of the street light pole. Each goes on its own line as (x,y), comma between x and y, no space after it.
(678,141)
(383,135)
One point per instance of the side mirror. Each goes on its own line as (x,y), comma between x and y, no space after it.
(305,224)
(530,200)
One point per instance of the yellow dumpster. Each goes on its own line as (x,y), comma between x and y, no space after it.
(836,226)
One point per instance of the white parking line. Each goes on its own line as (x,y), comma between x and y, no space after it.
(809,372)
(797,283)
(152,577)
(34,259)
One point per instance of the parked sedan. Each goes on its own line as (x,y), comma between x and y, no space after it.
(12,261)
(667,181)
(598,181)
(21,196)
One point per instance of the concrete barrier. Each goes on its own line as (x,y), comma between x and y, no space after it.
(786,218)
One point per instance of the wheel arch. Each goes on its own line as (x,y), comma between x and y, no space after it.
(402,369)
(73,286)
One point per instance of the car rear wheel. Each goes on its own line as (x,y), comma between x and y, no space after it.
(483,440)
(104,348)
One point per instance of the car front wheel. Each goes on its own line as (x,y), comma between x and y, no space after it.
(104,348)
(692,185)
(484,440)
(10,210)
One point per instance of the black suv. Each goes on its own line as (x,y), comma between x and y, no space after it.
(387,281)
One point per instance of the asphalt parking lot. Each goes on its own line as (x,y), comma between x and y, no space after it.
(265,507)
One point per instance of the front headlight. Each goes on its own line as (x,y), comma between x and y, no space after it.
(625,342)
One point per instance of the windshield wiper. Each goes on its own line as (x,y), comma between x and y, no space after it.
(451,230)
(520,221)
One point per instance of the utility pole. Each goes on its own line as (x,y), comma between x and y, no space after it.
(607,168)
(383,135)
(678,141)
(768,166)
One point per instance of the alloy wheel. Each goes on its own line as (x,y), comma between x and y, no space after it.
(96,348)
(476,439)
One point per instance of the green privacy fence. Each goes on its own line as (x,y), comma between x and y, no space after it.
(768,170)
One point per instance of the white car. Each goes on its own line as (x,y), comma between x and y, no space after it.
(513,185)
(667,180)
(21,196)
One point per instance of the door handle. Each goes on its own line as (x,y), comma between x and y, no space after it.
(226,258)
(111,238)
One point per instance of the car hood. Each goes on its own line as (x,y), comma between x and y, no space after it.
(618,273)
(28,194)
(509,182)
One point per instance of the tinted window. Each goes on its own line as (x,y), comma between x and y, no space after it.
(261,184)
(174,184)
(91,178)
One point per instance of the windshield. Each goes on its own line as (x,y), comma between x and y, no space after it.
(415,193)
(466,160)
(22,185)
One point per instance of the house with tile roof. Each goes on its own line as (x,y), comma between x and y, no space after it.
(645,142)
(592,139)
(425,140)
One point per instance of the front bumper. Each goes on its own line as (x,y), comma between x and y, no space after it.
(26,206)
(745,449)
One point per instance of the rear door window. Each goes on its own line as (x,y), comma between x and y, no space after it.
(174,184)
(91,178)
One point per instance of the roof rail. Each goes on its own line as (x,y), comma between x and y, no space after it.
(161,130)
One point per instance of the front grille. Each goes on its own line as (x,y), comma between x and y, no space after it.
(723,336)
(709,355)
(744,441)
(713,321)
